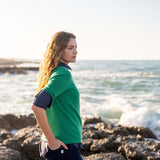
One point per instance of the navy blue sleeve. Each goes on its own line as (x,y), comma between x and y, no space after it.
(43,99)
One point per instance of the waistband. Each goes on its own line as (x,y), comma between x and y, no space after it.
(77,145)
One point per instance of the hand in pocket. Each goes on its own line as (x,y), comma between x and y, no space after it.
(56,144)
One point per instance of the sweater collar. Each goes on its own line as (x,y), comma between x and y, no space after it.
(64,65)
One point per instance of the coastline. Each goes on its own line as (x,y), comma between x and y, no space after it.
(14,66)
(20,136)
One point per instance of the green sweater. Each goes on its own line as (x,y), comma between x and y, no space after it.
(64,113)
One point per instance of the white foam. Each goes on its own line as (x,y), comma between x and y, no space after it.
(143,116)
(129,110)
(112,74)
(28,65)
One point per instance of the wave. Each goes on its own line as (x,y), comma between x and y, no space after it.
(89,74)
(143,116)
(127,110)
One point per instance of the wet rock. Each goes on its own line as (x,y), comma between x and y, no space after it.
(137,150)
(4,123)
(10,121)
(154,143)
(100,140)
(120,131)
(155,157)
(104,126)
(104,145)
(17,70)
(4,134)
(87,144)
(9,154)
(128,141)
(26,141)
(105,156)
(13,143)
(91,133)
(144,132)
(86,121)
(12,66)
(130,152)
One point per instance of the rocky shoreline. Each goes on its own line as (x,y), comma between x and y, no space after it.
(14,66)
(20,136)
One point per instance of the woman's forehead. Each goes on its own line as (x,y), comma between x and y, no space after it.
(72,42)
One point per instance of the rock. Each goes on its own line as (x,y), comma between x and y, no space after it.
(26,141)
(9,154)
(10,121)
(144,132)
(105,156)
(4,123)
(102,126)
(4,134)
(87,144)
(139,137)
(104,145)
(154,143)
(17,70)
(137,150)
(12,66)
(131,153)
(93,120)
(29,138)
(13,143)
(100,140)
(120,131)
(91,133)
(155,157)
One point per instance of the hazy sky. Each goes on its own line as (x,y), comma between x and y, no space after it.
(105,29)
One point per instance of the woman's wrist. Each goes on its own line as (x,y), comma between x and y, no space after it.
(51,140)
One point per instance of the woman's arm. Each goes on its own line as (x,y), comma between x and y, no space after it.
(42,120)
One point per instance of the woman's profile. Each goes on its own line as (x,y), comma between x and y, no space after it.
(56,105)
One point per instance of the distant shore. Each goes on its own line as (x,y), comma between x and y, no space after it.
(17,66)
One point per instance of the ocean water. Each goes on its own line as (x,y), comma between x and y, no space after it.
(124,92)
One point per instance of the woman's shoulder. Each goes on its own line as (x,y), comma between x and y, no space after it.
(61,71)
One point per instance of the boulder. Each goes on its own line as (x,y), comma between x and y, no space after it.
(104,145)
(100,140)
(11,122)
(93,120)
(138,150)
(9,154)
(105,156)
(4,134)
(26,141)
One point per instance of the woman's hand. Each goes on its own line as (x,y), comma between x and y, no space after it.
(56,144)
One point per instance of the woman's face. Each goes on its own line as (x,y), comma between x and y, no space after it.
(70,52)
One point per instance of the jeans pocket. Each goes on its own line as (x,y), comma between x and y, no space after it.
(56,154)
(55,150)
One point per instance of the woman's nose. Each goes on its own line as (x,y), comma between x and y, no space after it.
(75,51)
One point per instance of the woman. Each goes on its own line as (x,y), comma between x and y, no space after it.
(56,106)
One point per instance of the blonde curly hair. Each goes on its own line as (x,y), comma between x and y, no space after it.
(52,56)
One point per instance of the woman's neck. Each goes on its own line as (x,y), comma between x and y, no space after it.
(63,62)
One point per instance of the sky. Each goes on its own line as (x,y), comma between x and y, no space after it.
(105,29)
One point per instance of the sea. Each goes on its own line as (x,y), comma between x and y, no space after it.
(124,92)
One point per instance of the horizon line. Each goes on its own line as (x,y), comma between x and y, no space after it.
(28,59)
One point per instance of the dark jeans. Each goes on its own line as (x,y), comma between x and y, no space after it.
(62,154)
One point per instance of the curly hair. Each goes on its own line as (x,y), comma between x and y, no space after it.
(52,56)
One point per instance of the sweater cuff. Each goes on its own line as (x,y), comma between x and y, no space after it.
(43,99)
